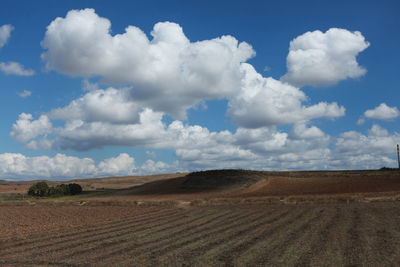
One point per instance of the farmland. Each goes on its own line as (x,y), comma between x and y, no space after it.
(335,234)
(244,219)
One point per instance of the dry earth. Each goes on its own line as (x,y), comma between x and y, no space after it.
(246,219)
(355,234)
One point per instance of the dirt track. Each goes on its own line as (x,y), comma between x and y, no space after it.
(291,235)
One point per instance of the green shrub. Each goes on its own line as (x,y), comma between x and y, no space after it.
(74,189)
(39,189)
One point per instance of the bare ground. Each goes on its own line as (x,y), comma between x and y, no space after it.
(355,234)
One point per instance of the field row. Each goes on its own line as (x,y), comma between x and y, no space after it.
(339,234)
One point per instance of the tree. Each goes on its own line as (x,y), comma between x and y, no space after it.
(39,189)
(74,189)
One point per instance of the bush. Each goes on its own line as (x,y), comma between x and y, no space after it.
(74,189)
(41,189)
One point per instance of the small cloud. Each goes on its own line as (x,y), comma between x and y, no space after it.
(360,121)
(5,32)
(382,112)
(267,68)
(24,94)
(15,68)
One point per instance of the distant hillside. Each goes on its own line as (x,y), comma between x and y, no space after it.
(220,179)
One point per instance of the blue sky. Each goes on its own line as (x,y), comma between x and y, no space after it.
(102,88)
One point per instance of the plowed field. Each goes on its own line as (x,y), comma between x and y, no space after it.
(365,234)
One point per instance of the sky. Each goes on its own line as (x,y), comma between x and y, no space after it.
(115,88)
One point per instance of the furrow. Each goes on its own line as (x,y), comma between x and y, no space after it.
(100,244)
(222,252)
(195,246)
(165,241)
(34,239)
(51,241)
(115,232)
(262,249)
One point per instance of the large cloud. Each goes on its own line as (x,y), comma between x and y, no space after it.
(5,32)
(169,73)
(317,58)
(266,101)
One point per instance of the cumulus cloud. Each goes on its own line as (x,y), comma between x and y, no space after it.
(167,74)
(15,166)
(15,68)
(157,167)
(160,69)
(110,105)
(374,150)
(26,128)
(382,112)
(171,74)
(318,59)
(5,32)
(121,165)
(266,101)
(24,94)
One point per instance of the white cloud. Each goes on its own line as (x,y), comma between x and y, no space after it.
(24,94)
(15,166)
(26,129)
(110,105)
(121,165)
(266,102)
(153,167)
(5,32)
(374,150)
(160,69)
(15,68)
(18,166)
(382,112)
(318,59)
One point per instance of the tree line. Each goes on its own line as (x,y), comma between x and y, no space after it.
(41,189)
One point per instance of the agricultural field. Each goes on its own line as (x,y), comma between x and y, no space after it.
(213,218)
(352,234)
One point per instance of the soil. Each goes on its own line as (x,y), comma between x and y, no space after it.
(344,218)
(22,220)
(355,234)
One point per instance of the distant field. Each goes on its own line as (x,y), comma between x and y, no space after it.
(366,234)
(212,218)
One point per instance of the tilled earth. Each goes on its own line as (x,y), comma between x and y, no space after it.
(364,234)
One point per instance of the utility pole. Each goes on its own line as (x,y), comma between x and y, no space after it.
(398,155)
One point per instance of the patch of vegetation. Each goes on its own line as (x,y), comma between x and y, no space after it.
(218,179)
(41,189)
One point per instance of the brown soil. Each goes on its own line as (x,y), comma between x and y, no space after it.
(356,234)
(22,220)
(251,223)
